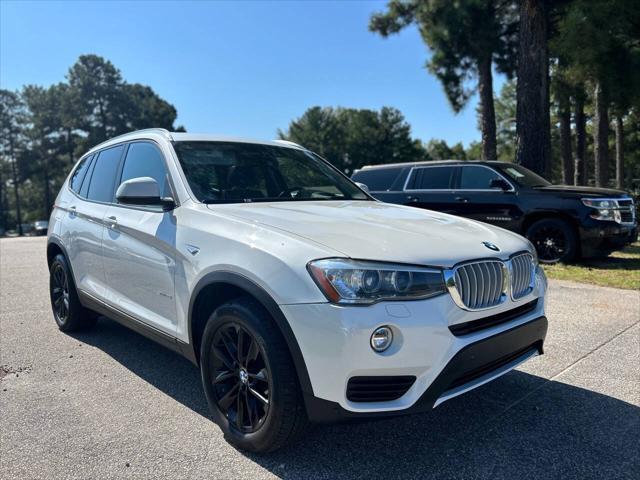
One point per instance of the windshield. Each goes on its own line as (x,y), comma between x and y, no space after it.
(523,176)
(229,172)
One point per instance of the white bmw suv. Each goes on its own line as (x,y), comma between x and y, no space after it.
(298,295)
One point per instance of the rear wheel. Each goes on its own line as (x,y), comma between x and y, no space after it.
(249,378)
(554,240)
(68,312)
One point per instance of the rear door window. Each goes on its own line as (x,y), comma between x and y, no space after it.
(104,174)
(431,178)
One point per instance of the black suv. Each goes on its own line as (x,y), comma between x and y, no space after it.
(563,222)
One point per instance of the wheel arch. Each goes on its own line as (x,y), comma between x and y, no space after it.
(558,215)
(217,288)
(531,218)
(54,248)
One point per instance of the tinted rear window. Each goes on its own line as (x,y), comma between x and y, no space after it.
(431,178)
(104,174)
(378,179)
(79,173)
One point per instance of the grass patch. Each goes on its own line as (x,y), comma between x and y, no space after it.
(620,270)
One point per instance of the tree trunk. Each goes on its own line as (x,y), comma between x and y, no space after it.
(532,112)
(580,176)
(487,111)
(565,139)
(70,147)
(3,204)
(16,192)
(47,190)
(619,152)
(601,136)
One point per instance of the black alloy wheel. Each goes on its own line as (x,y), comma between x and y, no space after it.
(249,378)
(241,378)
(553,239)
(68,312)
(60,298)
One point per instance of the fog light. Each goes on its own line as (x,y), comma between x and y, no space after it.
(381,339)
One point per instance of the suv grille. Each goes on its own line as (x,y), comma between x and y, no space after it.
(480,284)
(378,389)
(627,211)
(522,275)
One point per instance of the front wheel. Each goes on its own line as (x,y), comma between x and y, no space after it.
(249,378)
(554,240)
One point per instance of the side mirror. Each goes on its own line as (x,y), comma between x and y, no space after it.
(499,183)
(143,191)
(363,186)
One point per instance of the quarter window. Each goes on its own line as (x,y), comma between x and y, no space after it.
(145,160)
(104,174)
(79,173)
(477,178)
(432,178)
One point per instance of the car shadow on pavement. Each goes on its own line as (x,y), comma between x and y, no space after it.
(519,426)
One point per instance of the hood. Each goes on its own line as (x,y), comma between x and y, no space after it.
(381,231)
(593,192)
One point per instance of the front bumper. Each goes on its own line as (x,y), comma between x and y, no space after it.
(334,341)
(605,237)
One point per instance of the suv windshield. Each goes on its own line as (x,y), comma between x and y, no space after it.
(229,172)
(523,176)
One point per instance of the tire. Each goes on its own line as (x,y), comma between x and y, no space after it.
(68,312)
(554,239)
(269,373)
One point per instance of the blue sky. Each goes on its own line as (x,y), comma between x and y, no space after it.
(238,68)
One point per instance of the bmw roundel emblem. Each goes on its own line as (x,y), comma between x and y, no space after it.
(491,246)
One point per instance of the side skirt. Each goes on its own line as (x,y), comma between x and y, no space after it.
(158,336)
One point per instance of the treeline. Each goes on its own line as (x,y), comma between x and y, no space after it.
(571,103)
(578,60)
(43,130)
(350,138)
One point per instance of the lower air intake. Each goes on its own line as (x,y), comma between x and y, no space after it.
(378,389)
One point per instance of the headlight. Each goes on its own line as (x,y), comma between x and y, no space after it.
(604,209)
(355,281)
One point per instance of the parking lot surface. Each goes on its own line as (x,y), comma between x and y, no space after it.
(111,404)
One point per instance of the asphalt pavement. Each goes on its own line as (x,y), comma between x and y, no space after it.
(111,404)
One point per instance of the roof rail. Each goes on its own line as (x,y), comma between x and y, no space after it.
(163,131)
(288,142)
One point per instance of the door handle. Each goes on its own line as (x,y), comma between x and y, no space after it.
(462,199)
(113,221)
(412,199)
(72,208)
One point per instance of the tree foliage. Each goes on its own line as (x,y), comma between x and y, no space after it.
(44,129)
(466,39)
(350,138)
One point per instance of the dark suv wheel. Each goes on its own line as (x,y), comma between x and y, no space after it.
(249,378)
(554,240)
(68,312)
